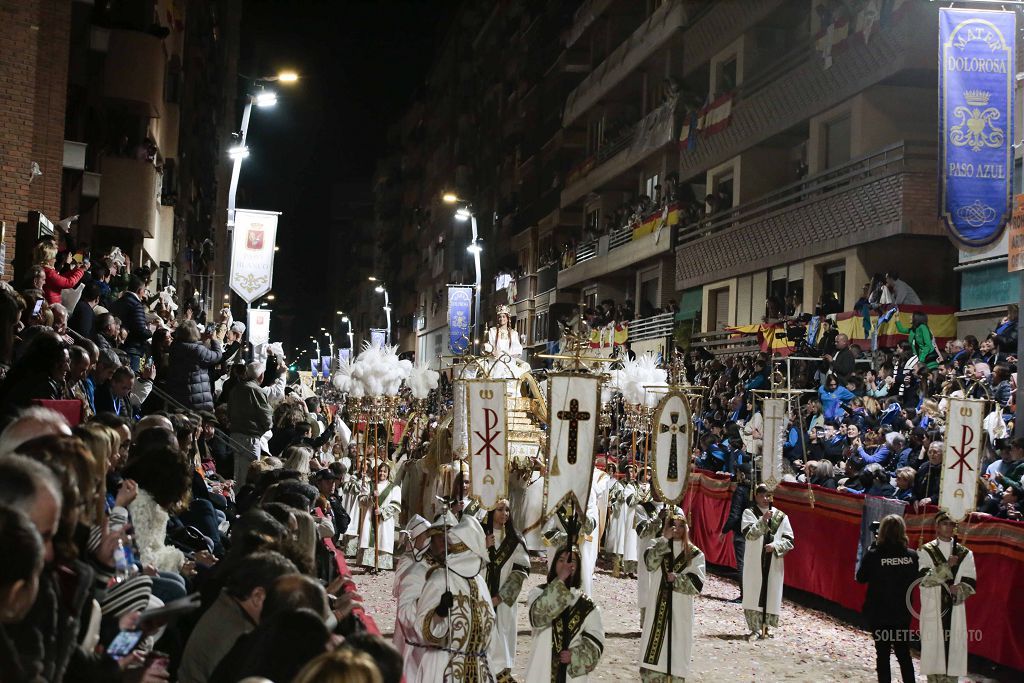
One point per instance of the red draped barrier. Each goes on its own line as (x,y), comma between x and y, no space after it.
(824,556)
(350,587)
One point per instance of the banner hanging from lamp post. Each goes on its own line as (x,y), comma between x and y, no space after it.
(460,305)
(259,326)
(252,253)
(378,337)
(977,67)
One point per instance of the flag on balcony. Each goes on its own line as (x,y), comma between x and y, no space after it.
(941,321)
(688,135)
(714,117)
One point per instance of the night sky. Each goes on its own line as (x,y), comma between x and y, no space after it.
(361,64)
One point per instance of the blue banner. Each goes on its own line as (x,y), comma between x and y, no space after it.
(460,305)
(976,82)
(378,337)
(325,365)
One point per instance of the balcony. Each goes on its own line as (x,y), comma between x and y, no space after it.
(797,86)
(620,249)
(629,147)
(889,192)
(134,71)
(625,59)
(656,327)
(129,195)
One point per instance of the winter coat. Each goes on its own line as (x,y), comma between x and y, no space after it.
(249,411)
(188,376)
(132,313)
(55,283)
(889,571)
(740,499)
(83,319)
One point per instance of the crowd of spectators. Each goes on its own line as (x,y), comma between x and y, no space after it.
(871,426)
(148,461)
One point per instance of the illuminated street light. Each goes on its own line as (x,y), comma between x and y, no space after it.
(266,98)
(238,152)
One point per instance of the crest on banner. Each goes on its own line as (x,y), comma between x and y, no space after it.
(673,440)
(774,412)
(965,435)
(574,407)
(487,436)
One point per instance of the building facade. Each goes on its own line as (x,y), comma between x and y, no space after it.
(129,116)
(683,163)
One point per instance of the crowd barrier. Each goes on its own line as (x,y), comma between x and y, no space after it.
(343,570)
(824,557)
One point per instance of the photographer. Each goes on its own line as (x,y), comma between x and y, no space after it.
(889,569)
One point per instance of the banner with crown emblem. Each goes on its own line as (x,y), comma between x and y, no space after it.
(574,408)
(977,67)
(460,304)
(487,432)
(252,253)
(673,439)
(961,463)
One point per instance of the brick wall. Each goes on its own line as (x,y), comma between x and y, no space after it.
(33,84)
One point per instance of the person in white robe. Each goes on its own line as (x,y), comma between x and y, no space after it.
(378,512)
(410,575)
(677,575)
(508,566)
(454,613)
(601,483)
(650,520)
(948,578)
(556,535)
(769,536)
(505,348)
(568,634)
(623,525)
(349,489)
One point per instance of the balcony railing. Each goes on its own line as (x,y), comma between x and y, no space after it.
(630,146)
(134,71)
(883,162)
(626,58)
(887,192)
(654,327)
(129,194)
(586,251)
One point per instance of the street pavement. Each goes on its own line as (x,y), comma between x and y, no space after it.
(809,645)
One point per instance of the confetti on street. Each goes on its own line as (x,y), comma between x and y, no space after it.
(809,646)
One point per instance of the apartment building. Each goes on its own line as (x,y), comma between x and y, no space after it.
(800,134)
(487,128)
(137,108)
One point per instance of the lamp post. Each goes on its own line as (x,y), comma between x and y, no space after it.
(351,343)
(263,99)
(465,213)
(381,289)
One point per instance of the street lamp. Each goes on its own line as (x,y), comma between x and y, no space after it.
(263,99)
(465,213)
(381,289)
(351,343)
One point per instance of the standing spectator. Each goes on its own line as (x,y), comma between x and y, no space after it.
(188,376)
(46,256)
(900,293)
(842,362)
(740,500)
(889,569)
(1005,334)
(250,417)
(130,310)
(921,341)
(83,318)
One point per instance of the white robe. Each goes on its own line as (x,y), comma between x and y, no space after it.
(589,635)
(504,640)
(600,485)
(588,547)
(689,582)
(349,494)
(933,651)
(389,509)
(623,525)
(471,618)
(410,577)
(754,533)
(648,532)
(527,498)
